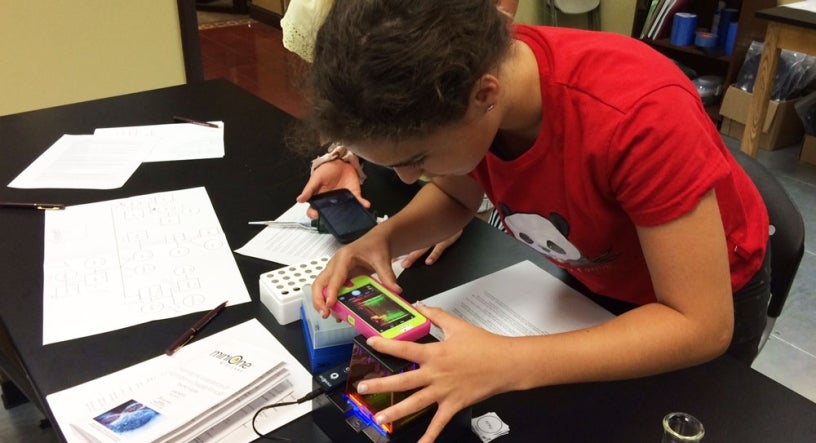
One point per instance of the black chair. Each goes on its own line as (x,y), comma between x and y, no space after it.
(787,230)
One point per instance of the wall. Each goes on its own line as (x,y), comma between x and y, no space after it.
(64,51)
(616,15)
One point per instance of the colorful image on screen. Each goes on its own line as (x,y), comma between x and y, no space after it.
(377,309)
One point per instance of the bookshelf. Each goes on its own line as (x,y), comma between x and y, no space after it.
(727,66)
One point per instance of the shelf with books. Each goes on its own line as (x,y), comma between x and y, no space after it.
(664,45)
(648,27)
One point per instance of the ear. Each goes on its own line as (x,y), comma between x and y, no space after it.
(485,93)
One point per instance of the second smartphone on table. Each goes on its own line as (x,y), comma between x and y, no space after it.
(342,215)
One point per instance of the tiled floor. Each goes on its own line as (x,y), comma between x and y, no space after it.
(251,56)
(789,357)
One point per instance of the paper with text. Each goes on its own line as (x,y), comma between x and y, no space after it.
(123,262)
(178,141)
(85,162)
(207,391)
(520,300)
(290,246)
(807,5)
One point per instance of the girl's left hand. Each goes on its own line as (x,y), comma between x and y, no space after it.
(469,365)
(436,252)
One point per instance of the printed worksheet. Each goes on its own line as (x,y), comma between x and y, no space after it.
(176,141)
(292,245)
(807,5)
(520,300)
(85,162)
(118,263)
(206,392)
(288,245)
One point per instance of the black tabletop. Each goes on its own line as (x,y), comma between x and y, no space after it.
(790,16)
(259,179)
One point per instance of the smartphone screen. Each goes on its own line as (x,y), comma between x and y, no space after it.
(343,216)
(380,311)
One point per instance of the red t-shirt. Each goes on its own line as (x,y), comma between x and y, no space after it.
(624,141)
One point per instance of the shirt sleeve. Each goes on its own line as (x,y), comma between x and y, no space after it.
(665,157)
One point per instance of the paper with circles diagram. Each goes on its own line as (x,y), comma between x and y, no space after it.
(118,263)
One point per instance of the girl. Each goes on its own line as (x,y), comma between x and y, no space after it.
(597,152)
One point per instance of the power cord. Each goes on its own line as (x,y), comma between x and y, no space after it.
(310,396)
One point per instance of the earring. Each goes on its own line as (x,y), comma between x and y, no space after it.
(490,107)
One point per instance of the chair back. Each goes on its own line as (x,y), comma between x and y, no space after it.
(576,6)
(787,241)
(590,7)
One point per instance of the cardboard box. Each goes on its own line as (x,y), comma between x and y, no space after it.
(782,126)
(808,154)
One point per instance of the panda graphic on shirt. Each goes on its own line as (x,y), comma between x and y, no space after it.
(549,236)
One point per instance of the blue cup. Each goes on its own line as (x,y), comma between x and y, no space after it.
(683,26)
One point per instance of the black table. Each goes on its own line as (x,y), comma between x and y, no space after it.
(258,179)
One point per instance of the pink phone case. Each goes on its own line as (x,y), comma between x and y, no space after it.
(412,334)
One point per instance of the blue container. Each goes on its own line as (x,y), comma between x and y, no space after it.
(683,26)
(727,16)
(730,39)
(705,40)
(324,358)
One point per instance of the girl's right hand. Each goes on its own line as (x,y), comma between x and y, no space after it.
(367,255)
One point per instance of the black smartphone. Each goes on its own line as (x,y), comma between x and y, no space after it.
(342,215)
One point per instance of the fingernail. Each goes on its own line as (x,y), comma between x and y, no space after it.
(381,419)
(371,341)
(362,388)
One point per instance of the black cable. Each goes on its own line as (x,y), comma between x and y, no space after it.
(310,396)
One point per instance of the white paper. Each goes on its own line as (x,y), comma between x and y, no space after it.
(520,300)
(85,162)
(290,246)
(180,141)
(74,407)
(194,394)
(808,5)
(119,263)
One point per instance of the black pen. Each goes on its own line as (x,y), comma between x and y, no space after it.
(37,206)
(194,121)
(193,330)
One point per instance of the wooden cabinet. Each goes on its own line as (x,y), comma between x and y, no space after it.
(749,28)
(268,11)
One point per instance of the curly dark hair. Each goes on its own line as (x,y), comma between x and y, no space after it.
(393,69)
